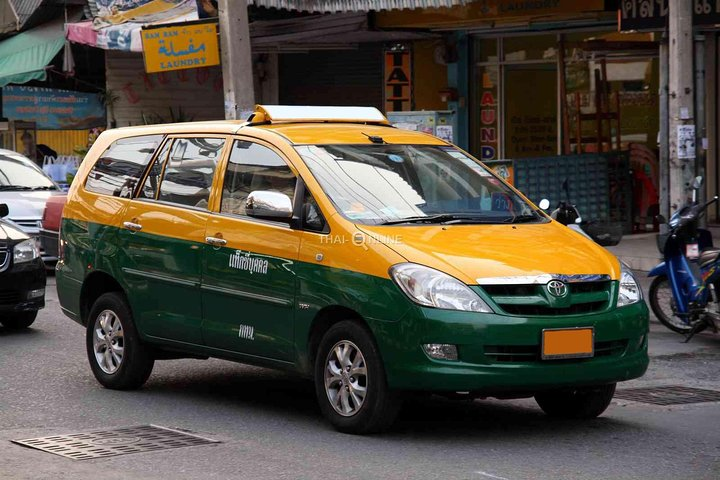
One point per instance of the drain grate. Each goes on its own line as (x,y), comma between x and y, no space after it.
(668,395)
(119,441)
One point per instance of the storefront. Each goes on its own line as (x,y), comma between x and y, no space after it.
(558,102)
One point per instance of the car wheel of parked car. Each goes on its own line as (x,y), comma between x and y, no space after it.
(117,358)
(350,381)
(586,402)
(17,321)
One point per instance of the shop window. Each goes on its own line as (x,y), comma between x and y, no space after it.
(530,47)
(254,167)
(486,50)
(189,171)
(118,171)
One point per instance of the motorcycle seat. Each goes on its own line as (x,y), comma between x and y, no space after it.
(708,256)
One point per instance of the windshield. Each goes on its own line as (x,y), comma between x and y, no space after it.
(396,184)
(18,175)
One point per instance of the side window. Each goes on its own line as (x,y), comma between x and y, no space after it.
(189,171)
(119,169)
(253,167)
(312,217)
(152,182)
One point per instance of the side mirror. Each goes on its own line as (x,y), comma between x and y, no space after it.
(4,210)
(544,204)
(269,204)
(697,183)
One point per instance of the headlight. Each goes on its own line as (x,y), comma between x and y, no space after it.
(432,288)
(25,251)
(630,291)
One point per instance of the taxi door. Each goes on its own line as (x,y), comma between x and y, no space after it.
(248,280)
(164,234)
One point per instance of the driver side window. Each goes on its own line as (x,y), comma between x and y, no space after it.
(253,167)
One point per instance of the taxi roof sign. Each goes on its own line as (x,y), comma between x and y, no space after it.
(293,113)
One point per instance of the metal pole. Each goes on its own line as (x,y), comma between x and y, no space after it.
(700,167)
(663,158)
(236,57)
(681,103)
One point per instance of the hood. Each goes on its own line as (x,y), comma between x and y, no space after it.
(472,252)
(9,232)
(26,205)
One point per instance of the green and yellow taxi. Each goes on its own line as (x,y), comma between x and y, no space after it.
(323,241)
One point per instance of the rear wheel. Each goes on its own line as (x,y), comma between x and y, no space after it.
(117,358)
(585,402)
(662,304)
(18,321)
(350,381)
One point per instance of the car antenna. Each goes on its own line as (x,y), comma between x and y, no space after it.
(374,138)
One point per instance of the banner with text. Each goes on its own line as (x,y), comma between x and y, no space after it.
(177,47)
(53,109)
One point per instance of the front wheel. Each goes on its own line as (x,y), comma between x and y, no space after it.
(18,321)
(350,381)
(577,403)
(662,304)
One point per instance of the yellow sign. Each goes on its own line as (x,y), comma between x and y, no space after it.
(180,46)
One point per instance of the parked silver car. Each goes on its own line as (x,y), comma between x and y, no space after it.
(25,188)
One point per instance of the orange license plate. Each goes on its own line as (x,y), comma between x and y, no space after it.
(567,343)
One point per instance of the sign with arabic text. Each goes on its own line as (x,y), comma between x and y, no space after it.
(176,47)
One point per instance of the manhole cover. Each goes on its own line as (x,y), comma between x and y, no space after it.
(120,441)
(668,395)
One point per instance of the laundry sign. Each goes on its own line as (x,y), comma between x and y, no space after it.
(176,47)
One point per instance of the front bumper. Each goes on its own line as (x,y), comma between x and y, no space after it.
(17,283)
(500,354)
(49,245)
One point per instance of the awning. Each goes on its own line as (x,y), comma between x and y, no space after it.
(332,6)
(24,56)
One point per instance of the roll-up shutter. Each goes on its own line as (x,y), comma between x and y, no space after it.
(333,77)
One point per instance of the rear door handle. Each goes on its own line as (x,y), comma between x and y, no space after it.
(216,242)
(133,227)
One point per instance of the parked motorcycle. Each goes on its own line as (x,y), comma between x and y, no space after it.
(684,292)
(567,213)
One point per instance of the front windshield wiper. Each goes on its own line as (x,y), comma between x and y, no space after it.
(47,187)
(528,217)
(439,218)
(10,188)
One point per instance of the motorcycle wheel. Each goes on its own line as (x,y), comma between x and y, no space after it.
(662,303)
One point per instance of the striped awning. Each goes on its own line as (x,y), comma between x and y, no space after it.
(333,6)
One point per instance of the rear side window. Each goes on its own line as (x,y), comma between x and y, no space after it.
(189,171)
(119,169)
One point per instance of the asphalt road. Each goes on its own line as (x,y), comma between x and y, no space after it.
(271,428)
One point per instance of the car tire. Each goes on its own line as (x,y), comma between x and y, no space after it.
(18,321)
(577,403)
(117,357)
(350,345)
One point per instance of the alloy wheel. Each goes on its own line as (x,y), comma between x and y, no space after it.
(108,341)
(346,378)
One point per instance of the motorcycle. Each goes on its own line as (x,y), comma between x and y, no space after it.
(684,291)
(567,213)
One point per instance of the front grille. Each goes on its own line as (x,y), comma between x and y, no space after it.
(9,297)
(534,300)
(32,223)
(531,353)
(4,257)
(533,310)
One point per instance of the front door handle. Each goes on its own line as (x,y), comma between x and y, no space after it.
(215,241)
(133,227)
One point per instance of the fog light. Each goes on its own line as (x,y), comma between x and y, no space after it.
(36,293)
(441,351)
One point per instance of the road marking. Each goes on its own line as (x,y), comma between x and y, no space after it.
(490,475)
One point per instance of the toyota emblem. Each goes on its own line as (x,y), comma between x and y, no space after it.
(556,288)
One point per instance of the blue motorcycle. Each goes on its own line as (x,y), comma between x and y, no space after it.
(684,292)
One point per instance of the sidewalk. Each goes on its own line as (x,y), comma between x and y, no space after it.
(640,251)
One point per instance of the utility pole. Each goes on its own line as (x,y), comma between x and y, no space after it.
(681,104)
(236,58)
